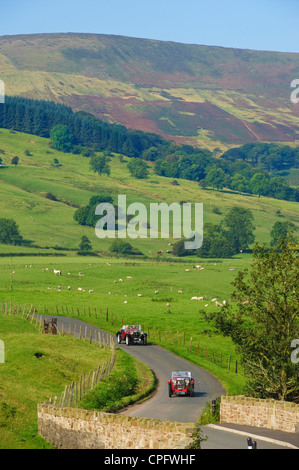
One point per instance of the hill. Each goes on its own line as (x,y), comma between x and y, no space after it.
(49,223)
(206,96)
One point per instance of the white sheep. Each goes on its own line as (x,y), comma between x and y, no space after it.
(80,289)
(139,295)
(90,291)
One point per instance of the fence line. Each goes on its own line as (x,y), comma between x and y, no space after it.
(163,336)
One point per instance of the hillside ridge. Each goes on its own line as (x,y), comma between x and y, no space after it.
(207,96)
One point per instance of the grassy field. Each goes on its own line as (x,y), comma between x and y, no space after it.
(27,380)
(50,223)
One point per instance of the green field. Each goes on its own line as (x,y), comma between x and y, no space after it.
(50,223)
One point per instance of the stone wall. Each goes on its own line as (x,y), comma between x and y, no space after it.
(72,428)
(271,414)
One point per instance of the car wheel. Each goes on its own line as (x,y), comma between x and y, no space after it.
(119,339)
(127,340)
(144,339)
(169,390)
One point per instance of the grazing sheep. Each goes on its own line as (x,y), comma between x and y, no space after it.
(199,298)
(80,289)
(214,300)
(120,280)
(180,291)
(218,304)
(129,277)
(156,291)
(206,305)
(139,295)
(193,298)
(90,291)
(167,305)
(187,270)
(69,287)
(125,302)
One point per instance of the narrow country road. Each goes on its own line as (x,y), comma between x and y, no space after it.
(162,363)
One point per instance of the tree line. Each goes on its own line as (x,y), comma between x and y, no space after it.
(38,117)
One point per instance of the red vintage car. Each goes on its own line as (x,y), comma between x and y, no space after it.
(181,383)
(131,334)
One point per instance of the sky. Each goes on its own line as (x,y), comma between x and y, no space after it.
(253,24)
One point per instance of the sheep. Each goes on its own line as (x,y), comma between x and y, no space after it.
(167,305)
(69,287)
(57,272)
(218,304)
(197,266)
(180,291)
(120,280)
(199,298)
(139,295)
(80,289)
(125,302)
(187,270)
(193,298)
(214,300)
(90,291)
(206,305)
(129,277)
(156,291)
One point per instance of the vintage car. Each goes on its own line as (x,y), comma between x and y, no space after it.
(181,383)
(131,334)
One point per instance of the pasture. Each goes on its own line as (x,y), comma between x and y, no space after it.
(155,294)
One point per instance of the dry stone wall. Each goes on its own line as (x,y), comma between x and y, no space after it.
(271,414)
(72,428)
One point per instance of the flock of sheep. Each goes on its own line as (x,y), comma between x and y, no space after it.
(57,272)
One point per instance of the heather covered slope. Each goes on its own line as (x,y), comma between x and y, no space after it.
(203,95)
